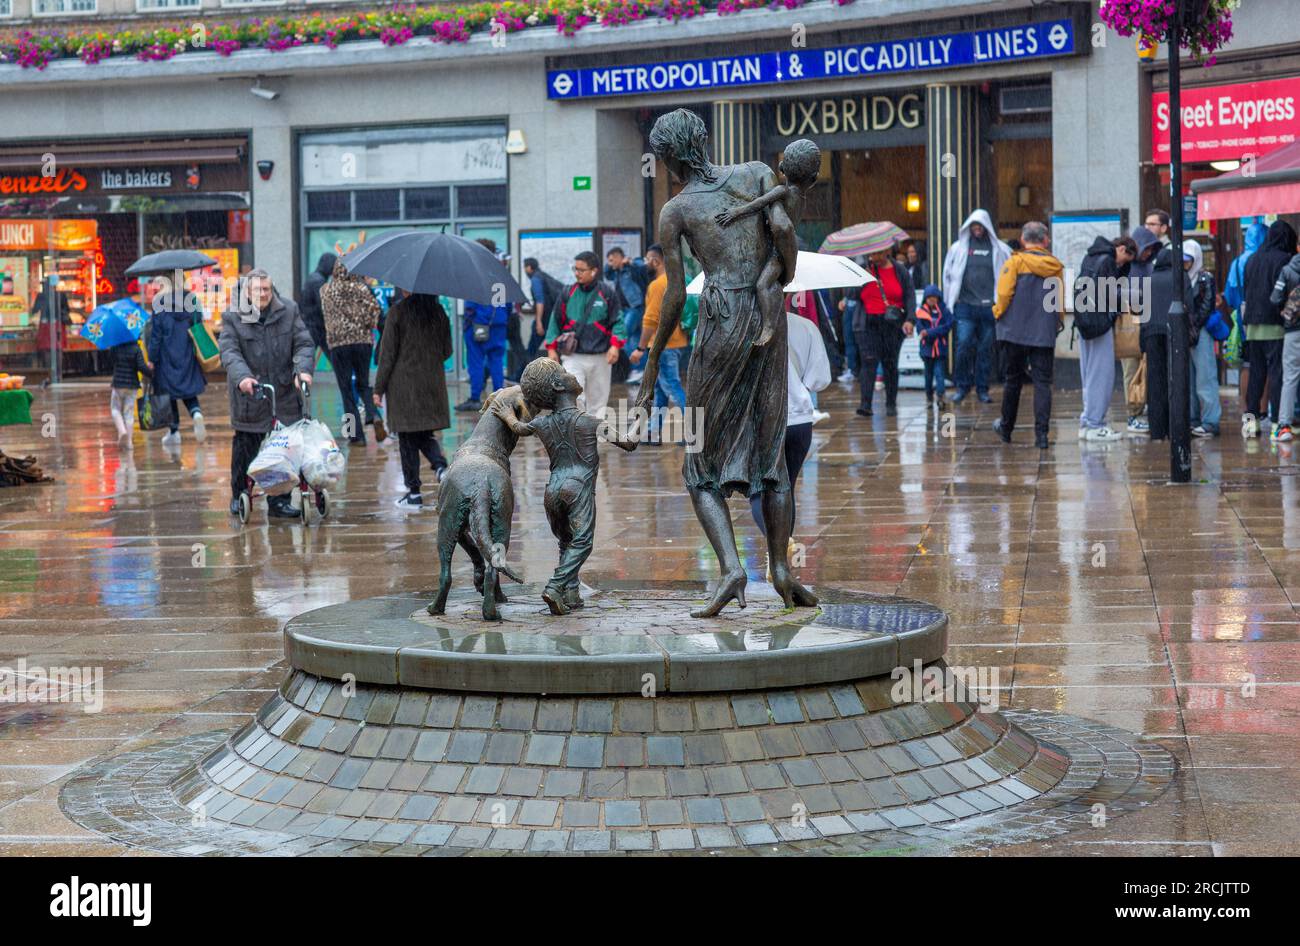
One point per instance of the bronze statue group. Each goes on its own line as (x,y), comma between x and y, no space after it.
(739,223)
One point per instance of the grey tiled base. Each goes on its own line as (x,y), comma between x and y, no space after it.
(1026,776)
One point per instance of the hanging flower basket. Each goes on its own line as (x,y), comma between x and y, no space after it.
(1201,26)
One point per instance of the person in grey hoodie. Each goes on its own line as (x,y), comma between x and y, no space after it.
(1288,281)
(970,273)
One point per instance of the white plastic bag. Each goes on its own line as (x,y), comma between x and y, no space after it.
(275,468)
(322,461)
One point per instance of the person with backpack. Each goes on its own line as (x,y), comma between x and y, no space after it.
(1234,349)
(1286,294)
(1204,387)
(585,333)
(546,291)
(1096,309)
(1263,322)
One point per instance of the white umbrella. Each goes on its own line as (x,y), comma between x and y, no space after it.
(813,271)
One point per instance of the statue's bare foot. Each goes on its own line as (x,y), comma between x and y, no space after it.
(437,607)
(554,598)
(731,586)
(764,336)
(792,593)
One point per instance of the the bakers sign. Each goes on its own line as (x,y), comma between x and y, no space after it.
(1229,122)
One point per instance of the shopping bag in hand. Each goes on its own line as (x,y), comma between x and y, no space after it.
(322,461)
(275,468)
(154,411)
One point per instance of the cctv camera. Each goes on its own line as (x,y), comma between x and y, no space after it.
(262,93)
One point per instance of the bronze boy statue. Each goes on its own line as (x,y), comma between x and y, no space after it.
(800,166)
(569,435)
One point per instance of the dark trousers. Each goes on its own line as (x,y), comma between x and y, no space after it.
(1156,348)
(242,451)
(192,405)
(1028,363)
(1265,365)
(798,441)
(878,347)
(935,375)
(410,445)
(353,361)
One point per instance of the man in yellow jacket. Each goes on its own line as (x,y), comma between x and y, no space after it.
(1028,312)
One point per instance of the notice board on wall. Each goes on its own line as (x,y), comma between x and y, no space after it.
(1072,234)
(554,251)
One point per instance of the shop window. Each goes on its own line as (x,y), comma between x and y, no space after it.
(6,8)
(325,206)
(378,204)
(481,200)
(63,7)
(145,6)
(428,203)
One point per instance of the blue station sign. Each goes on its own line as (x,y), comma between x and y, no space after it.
(975,48)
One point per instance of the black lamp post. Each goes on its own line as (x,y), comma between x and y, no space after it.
(1180,435)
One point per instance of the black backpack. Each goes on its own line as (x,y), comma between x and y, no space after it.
(552,290)
(1090,324)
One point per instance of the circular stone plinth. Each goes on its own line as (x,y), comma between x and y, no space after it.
(629,637)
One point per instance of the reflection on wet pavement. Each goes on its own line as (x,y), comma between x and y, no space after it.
(1094,588)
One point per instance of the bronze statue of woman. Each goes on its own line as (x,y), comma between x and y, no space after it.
(736,384)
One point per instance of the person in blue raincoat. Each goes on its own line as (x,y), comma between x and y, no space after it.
(177,372)
(485,345)
(933,324)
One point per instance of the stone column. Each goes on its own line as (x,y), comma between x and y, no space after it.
(952,182)
(735,136)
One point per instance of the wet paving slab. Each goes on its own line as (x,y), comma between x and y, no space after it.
(1106,594)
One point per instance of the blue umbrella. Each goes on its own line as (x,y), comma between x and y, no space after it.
(114,323)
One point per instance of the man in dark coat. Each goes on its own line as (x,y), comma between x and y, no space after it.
(415,343)
(263,341)
(309,302)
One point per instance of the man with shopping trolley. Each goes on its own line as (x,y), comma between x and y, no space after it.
(263,341)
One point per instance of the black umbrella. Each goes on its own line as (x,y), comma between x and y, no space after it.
(169,261)
(437,264)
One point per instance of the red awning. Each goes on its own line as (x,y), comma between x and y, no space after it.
(1271,185)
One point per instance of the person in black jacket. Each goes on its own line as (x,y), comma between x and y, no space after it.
(887,313)
(309,307)
(1155,341)
(128,364)
(1263,322)
(1096,307)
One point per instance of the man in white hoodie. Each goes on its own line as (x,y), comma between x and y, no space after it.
(970,275)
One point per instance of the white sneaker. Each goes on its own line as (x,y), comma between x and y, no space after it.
(172,438)
(200,432)
(846,377)
(635,376)
(1083,433)
(1102,435)
(819,416)
(1249,425)
(1138,425)
(1200,431)
(411,502)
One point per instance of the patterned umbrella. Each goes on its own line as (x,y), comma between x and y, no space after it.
(114,323)
(863,239)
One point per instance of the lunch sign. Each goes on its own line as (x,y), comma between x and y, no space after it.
(975,48)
